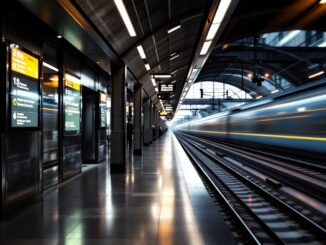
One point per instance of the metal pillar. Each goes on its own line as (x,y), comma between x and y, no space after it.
(148,135)
(138,105)
(118,119)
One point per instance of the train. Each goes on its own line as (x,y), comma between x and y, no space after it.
(291,123)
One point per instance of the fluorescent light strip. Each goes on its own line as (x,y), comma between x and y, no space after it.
(259,97)
(275,91)
(153,82)
(162,76)
(212,31)
(205,47)
(174,57)
(288,37)
(221,11)
(125,17)
(147,67)
(141,52)
(316,74)
(173,54)
(50,67)
(174,29)
(174,81)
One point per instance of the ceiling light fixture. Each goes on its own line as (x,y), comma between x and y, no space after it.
(322,1)
(174,28)
(174,57)
(275,91)
(125,17)
(259,97)
(59,36)
(174,81)
(322,44)
(51,67)
(205,47)
(141,52)
(161,75)
(316,74)
(147,67)
(153,82)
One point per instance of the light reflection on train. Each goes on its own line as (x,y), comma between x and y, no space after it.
(292,123)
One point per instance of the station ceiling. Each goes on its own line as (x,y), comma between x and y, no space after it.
(153,18)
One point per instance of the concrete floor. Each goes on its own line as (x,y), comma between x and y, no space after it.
(160,200)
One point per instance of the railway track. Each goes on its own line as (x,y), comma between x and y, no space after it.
(310,177)
(262,216)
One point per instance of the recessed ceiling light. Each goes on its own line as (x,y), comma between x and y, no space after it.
(51,67)
(174,28)
(125,17)
(141,52)
(59,36)
(316,74)
(147,67)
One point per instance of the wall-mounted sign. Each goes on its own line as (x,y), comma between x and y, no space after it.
(72,99)
(24,89)
(103,110)
(166,87)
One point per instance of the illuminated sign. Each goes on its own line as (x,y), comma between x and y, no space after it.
(24,90)
(166,87)
(24,63)
(103,110)
(72,103)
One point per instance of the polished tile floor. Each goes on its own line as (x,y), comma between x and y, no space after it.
(160,200)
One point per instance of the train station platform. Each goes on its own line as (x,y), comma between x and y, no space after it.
(160,200)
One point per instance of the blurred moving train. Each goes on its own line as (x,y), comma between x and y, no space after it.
(293,123)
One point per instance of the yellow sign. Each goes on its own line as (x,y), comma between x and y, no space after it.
(24,63)
(72,82)
(163,113)
(103,97)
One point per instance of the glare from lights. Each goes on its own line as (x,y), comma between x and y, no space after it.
(59,36)
(125,17)
(301,109)
(147,67)
(316,74)
(174,28)
(141,52)
(275,91)
(322,1)
(267,75)
(322,45)
(205,47)
(250,75)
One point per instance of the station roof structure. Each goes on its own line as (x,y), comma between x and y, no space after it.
(172,33)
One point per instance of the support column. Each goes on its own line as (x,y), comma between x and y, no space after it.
(147,122)
(138,105)
(118,119)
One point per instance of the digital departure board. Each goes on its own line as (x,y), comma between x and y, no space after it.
(166,87)
(24,89)
(103,110)
(72,97)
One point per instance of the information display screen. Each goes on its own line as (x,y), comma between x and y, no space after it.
(103,110)
(24,90)
(72,97)
(167,87)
